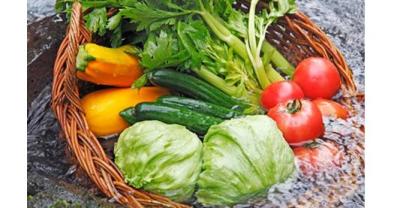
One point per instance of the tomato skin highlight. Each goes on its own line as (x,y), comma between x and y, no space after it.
(331,108)
(279,92)
(317,77)
(316,158)
(301,126)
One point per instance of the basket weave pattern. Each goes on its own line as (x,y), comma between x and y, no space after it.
(295,36)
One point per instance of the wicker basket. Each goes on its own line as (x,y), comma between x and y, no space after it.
(296,36)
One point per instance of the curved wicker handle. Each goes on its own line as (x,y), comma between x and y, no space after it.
(85,146)
(81,141)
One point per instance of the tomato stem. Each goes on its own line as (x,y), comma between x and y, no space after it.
(294,106)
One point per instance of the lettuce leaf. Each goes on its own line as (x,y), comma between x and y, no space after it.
(242,158)
(160,158)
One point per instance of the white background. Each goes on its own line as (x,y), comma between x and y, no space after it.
(382,104)
(13,95)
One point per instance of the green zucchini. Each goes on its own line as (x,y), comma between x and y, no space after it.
(128,114)
(193,87)
(200,106)
(194,121)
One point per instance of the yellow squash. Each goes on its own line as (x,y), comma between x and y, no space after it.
(108,66)
(102,107)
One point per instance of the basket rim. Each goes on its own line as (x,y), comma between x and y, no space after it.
(84,145)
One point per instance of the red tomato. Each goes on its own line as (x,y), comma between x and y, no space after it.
(280,92)
(315,157)
(331,108)
(317,77)
(299,120)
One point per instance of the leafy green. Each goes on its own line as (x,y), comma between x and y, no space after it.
(116,37)
(96,21)
(162,50)
(241,158)
(161,158)
(220,8)
(63,5)
(114,21)
(148,17)
(208,53)
(237,23)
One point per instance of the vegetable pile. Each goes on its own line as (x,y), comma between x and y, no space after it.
(222,45)
(203,99)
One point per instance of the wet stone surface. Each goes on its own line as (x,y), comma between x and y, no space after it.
(54,180)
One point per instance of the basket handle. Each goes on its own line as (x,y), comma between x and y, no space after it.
(81,141)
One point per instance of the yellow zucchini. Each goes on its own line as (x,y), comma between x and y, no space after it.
(102,107)
(108,66)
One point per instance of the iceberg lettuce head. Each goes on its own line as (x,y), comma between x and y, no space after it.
(241,158)
(160,158)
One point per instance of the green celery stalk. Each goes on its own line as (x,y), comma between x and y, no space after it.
(277,58)
(251,46)
(217,82)
(234,42)
(272,74)
(224,34)
(249,97)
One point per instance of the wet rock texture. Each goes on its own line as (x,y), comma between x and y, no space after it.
(53,180)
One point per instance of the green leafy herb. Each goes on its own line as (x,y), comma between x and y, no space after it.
(114,21)
(162,50)
(148,17)
(116,37)
(63,5)
(96,21)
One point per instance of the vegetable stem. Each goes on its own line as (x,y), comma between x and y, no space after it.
(217,82)
(294,106)
(260,73)
(277,58)
(252,48)
(251,28)
(262,37)
(224,34)
(272,74)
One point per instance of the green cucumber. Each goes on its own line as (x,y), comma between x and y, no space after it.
(200,106)
(193,87)
(128,114)
(194,121)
